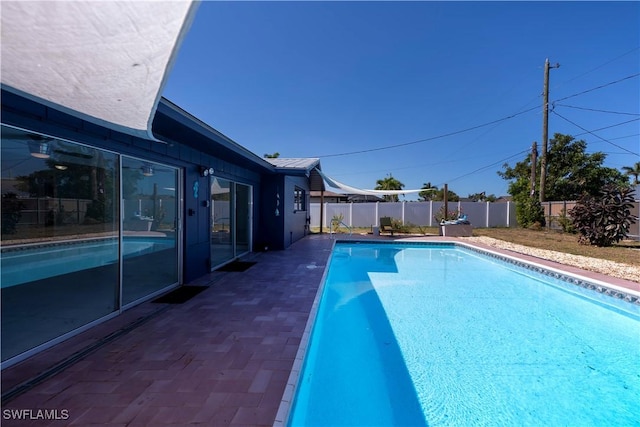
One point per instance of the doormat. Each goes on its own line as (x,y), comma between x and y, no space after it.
(236,266)
(180,295)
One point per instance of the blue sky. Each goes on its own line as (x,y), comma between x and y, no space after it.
(325,79)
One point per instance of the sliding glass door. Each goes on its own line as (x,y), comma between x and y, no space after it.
(149,223)
(221,222)
(85,232)
(59,243)
(243,219)
(231,205)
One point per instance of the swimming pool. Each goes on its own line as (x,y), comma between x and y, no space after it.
(410,334)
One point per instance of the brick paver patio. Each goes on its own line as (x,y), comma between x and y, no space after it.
(222,358)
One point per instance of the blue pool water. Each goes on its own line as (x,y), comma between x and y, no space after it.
(29,263)
(443,336)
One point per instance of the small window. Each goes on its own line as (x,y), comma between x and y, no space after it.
(299,200)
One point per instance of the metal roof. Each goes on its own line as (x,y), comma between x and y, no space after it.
(306,166)
(294,163)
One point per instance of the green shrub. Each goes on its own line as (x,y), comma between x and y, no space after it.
(336,221)
(529,213)
(605,219)
(566,222)
(398,225)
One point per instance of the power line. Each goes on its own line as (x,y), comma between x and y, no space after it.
(596,110)
(598,87)
(596,68)
(623,137)
(488,166)
(608,127)
(388,147)
(597,136)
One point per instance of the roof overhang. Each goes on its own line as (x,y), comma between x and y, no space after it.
(173,124)
(104,62)
(307,166)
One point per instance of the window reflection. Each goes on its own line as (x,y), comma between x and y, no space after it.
(150,207)
(59,262)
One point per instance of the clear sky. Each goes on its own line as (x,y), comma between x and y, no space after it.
(440,92)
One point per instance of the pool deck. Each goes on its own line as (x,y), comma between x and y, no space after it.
(223,358)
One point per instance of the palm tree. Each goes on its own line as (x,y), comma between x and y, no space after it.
(389,183)
(633,171)
(429,191)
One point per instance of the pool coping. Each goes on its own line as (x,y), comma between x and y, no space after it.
(622,290)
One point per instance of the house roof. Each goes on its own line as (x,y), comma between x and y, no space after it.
(104,62)
(306,166)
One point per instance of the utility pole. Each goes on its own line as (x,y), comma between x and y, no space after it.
(445,197)
(534,160)
(545,127)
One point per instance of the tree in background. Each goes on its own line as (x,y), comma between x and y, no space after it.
(633,171)
(436,194)
(482,197)
(571,173)
(272,156)
(428,192)
(389,183)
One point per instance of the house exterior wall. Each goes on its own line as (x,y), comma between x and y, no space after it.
(27,114)
(295,221)
(271,223)
(184,147)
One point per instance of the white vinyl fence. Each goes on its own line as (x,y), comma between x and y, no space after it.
(480,214)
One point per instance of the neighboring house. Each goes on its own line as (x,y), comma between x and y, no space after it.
(328,197)
(364,198)
(504,199)
(331,197)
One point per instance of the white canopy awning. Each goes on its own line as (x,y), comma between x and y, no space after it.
(353,190)
(103,61)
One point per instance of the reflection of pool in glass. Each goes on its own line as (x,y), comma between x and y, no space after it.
(34,262)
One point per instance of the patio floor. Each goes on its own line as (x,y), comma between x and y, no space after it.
(223,358)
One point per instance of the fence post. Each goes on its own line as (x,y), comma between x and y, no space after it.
(323,206)
(508,214)
(487,219)
(351,214)
(430,213)
(402,214)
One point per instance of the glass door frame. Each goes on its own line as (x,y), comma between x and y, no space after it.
(179,231)
(233,221)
